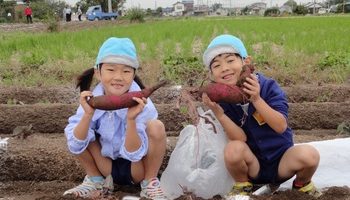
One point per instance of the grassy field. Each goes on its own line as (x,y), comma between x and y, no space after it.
(292,50)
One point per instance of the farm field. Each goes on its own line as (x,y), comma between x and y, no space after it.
(292,50)
(40,167)
(38,70)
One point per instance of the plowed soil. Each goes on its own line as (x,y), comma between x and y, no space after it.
(40,167)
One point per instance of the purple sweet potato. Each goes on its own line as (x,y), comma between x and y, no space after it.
(219,92)
(113,102)
(246,71)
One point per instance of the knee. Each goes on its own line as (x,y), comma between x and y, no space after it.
(156,130)
(233,151)
(311,156)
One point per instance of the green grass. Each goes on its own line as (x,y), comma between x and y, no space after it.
(293,50)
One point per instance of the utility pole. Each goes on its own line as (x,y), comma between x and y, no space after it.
(314,7)
(109,6)
(343,6)
(208,6)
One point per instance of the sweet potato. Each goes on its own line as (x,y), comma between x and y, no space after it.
(113,102)
(246,71)
(219,92)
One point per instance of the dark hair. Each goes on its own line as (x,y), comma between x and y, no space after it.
(84,80)
(139,82)
(211,62)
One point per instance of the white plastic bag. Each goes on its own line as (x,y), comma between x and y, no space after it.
(197,163)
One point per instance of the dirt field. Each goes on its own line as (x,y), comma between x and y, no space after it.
(40,167)
(71,26)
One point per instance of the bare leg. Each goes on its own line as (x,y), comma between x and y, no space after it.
(156,150)
(95,165)
(88,163)
(240,161)
(301,160)
(104,164)
(93,162)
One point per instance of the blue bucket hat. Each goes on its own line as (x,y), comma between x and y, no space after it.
(224,44)
(118,51)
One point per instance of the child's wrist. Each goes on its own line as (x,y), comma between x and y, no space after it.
(88,115)
(219,116)
(128,120)
(256,100)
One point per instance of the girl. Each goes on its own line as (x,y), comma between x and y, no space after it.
(123,146)
(261,149)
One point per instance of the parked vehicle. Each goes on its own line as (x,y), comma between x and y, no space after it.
(333,8)
(322,11)
(96,13)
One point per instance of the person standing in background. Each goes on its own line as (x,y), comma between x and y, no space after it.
(68,14)
(64,14)
(79,13)
(28,12)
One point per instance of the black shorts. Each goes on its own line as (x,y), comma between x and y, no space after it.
(121,172)
(268,173)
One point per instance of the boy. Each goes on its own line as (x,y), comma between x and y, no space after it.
(260,150)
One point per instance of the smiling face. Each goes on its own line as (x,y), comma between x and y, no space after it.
(115,78)
(226,68)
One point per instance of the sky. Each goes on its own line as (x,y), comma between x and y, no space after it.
(168,3)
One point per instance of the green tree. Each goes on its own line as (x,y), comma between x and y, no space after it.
(334,2)
(216,6)
(116,4)
(136,15)
(343,7)
(7,7)
(43,9)
(148,12)
(291,3)
(300,10)
(159,11)
(272,12)
(245,10)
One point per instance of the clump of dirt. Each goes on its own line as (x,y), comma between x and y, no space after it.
(336,193)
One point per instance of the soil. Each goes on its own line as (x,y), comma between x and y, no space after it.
(37,164)
(47,109)
(63,26)
(40,167)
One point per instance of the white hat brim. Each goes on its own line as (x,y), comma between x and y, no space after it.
(211,53)
(124,60)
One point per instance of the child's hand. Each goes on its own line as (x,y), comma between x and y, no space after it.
(83,101)
(252,87)
(135,110)
(216,108)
